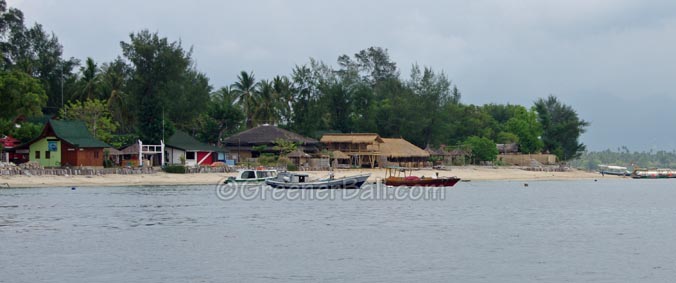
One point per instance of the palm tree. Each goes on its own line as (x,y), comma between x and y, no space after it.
(245,90)
(283,91)
(113,78)
(89,80)
(266,110)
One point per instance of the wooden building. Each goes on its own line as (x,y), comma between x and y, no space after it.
(262,139)
(400,152)
(66,143)
(362,148)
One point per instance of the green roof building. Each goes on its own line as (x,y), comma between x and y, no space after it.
(66,143)
(181,144)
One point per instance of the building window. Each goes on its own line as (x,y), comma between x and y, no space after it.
(190,155)
(37,154)
(48,154)
(96,155)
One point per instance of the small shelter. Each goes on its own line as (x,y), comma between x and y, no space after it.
(66,143)
(183,146)
(508,148)
(362,148)
(262,139)
(299,157)
(400,152)
(437,156)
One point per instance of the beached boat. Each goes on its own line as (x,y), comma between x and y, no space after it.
(398,176)
(258,175)
(287,180)
(655,173)
(614,170)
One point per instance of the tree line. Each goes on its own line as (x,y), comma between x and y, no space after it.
(154,88)
(624,157)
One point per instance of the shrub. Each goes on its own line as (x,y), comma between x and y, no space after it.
(177,169)
(291,167)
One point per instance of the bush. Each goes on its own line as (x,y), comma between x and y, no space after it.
(177,169)
(291,167)
(267,159)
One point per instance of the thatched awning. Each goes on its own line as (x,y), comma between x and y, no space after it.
(113,151)
(337,154)
(435,152)
(367,138)
(298,154)
(401,148)
(266,135)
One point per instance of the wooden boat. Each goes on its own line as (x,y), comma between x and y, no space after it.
(614,170)
(287,180)
(655,173)
(257,175)
(398,176)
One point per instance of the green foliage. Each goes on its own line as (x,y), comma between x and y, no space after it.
(175,169)
(291,167)
(157,63)
(507,137)
(624,157)
(267,159)
(20,95)
(259,148)
(154,88)
(285,146)
(221,118)
(483,149)
(94,113)
(25,131)
(561,128)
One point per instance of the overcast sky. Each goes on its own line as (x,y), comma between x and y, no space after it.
(614,61)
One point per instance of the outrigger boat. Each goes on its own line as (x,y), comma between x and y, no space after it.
(257,175)
(653,173)
(614,170)
(399,176)
(287,180)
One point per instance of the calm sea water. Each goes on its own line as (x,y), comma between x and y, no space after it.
(581,231)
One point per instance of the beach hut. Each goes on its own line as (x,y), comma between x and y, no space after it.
(262,139)
(66,143)
(400,152)
(299,157)
(183,146)
(362,148)
(437,156)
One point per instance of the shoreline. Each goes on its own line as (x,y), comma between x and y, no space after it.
(471,173)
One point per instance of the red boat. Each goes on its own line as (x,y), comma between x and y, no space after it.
(403,177)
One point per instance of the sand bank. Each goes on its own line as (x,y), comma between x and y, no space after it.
(473,173)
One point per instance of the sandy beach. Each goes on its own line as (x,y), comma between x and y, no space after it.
(472,173)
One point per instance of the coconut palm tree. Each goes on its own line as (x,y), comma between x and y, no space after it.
(266,108)
(283,91)
(88,83)
(245,90)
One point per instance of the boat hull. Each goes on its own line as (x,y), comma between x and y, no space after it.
(351,182)
(421,182)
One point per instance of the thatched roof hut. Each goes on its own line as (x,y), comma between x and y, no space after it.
(355,138)
(244,144)
(267,134)
(298,154)
(401,148)
(363,148)
(401,151)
